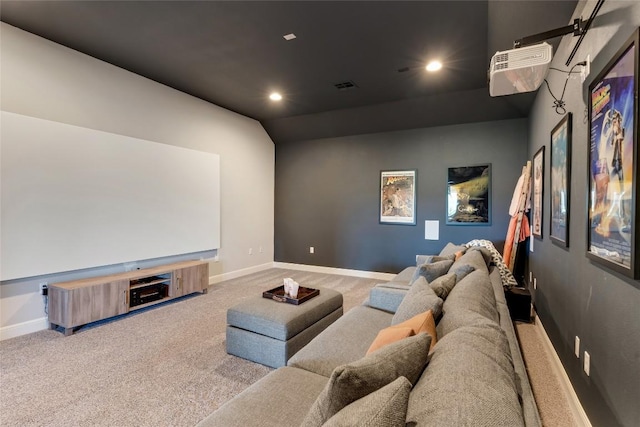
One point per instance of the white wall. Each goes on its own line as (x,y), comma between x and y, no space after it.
(46,80)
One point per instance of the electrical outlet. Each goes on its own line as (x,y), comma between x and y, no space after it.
(535,283)
(586,69)
(312,250)
(576,347)
(260,249)
(587,363)
(250,251)
(44,288)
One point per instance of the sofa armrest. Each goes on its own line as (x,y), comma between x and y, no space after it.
(387,296)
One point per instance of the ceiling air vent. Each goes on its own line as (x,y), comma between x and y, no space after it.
(346,85)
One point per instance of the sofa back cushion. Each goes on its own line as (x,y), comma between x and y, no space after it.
(470,380)
(427,259)
(474,293)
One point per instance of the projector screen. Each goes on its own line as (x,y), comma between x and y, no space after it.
(75,198)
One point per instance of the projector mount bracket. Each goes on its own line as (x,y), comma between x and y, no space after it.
(577,28)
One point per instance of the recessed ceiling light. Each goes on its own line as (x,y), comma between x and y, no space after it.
(434,66)
(289,36)
(275,96)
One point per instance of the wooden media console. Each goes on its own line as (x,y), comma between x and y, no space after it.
(78,302)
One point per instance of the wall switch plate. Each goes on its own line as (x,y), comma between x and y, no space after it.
(530,276)
(250,251)
(576,347)
(312,250)
(587,363)
(535,283)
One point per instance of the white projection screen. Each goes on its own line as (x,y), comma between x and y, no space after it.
(75,198)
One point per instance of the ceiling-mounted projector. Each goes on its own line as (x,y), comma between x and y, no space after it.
(519,70)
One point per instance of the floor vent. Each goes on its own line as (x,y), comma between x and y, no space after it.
(346,85)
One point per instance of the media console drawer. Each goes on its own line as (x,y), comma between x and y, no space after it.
(76,303)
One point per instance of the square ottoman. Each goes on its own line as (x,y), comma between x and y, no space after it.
(270,332)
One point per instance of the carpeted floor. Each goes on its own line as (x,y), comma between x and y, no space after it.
(163,366)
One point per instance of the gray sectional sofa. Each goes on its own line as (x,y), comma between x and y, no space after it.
(474,375)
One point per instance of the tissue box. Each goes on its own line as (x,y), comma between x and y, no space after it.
(304,294)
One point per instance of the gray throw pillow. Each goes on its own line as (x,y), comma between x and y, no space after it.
(462,271)
(419,299)
(443,285)
(348,383)
(431,271)
(427,259)
(385,407)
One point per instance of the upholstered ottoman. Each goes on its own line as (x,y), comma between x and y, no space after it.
(270,332)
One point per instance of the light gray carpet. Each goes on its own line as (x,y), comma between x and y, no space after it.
(164,366)
(553,405)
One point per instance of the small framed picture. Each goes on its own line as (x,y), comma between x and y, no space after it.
(560,181)
(538,190)
(398,197)
(469,195)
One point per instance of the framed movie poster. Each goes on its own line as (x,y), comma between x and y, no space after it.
(613,163)
(469,195)
(538,190)
(560,181)
(398,197)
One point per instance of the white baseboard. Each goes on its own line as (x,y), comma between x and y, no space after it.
(239,273)
(339,271)
(574,403)
(23,328)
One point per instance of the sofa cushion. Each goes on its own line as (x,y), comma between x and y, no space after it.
(459,318)
(385,407)
(474,293)
(473,258)
(405,276)
(451,248)
(431,271)
(422,322)
(346,340)
(260,402)
(427,259)
(443,285)
(419,299)
(469,381)
(387,296)
(485,252)
(353,381)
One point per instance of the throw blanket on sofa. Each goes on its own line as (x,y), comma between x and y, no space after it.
(508,281)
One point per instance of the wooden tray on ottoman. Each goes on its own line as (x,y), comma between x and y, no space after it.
(304,294)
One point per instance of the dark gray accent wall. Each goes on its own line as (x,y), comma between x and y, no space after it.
(327,192)
(575,296)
